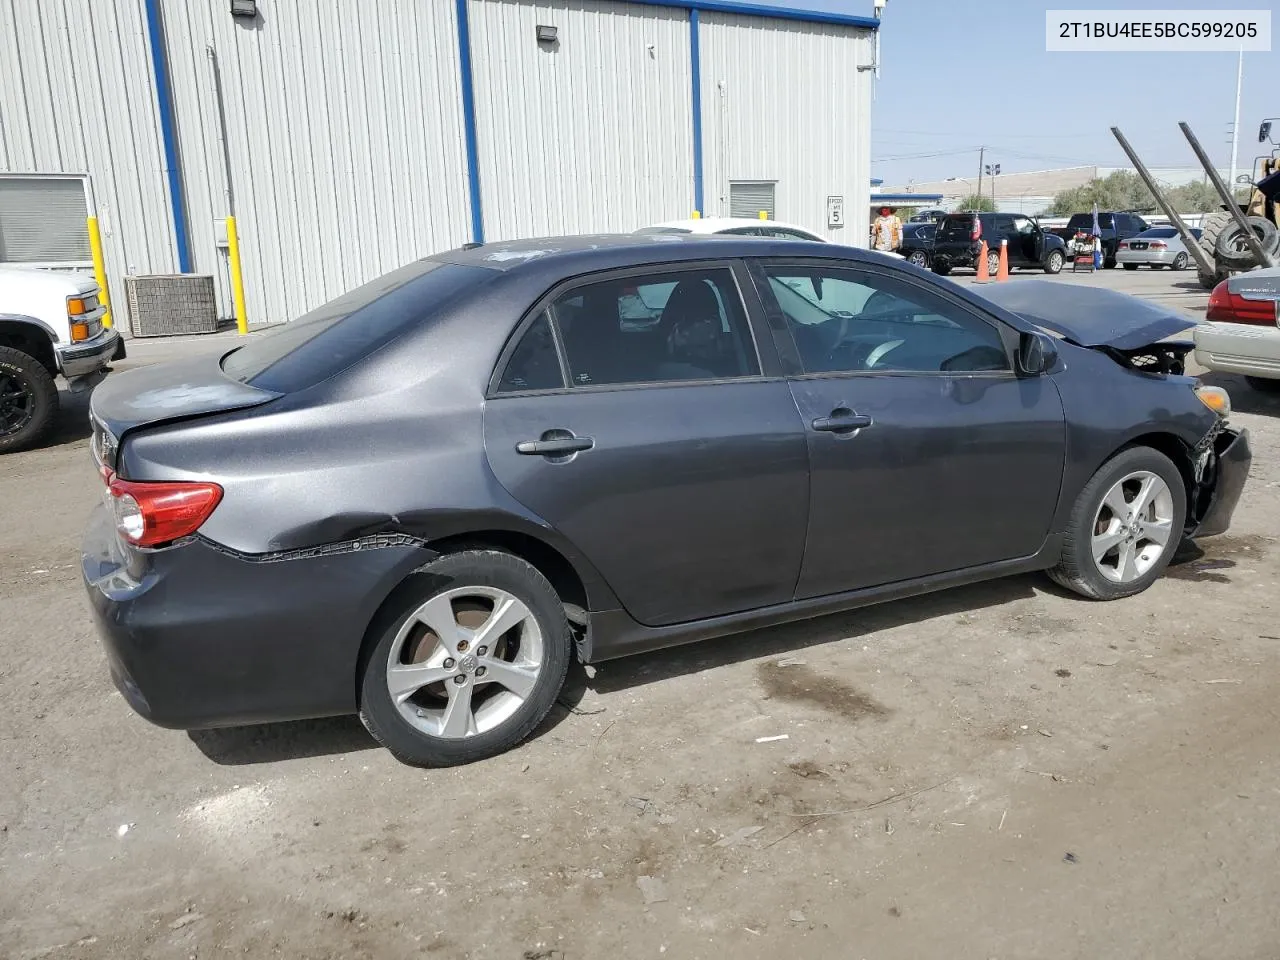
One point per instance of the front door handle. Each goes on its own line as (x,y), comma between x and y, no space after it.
(841,420)
(555,446)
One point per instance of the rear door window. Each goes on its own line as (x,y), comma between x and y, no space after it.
(344,331)
(677,326)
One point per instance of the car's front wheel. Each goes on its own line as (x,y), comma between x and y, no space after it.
(28,400)
(466,661)
(1053,262)
(1125,526)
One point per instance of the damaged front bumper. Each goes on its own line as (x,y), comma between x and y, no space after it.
(1221,464)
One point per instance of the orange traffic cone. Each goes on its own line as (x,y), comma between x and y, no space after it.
(984,275)
(1003,272)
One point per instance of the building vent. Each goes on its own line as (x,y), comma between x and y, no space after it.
(167,305)
(748,197)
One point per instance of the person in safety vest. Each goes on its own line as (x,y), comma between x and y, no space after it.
(886,231)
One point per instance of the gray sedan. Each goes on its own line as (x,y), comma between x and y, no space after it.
(1157,248)
(422,501)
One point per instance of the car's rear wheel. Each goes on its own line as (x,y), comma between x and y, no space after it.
(1180,262)
(1053,262)
(1131,266)
(467,662)
(28,400)
(993,262)
(1125,526)
(919,258)
(1263,384)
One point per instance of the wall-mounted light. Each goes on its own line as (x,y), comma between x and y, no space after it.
(547,33)
(244,8)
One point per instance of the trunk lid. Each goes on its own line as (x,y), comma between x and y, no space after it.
(150,396)
(1089,316)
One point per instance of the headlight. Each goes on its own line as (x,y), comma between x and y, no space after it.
(1216,399)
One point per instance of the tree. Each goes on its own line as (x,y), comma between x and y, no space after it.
(975,202)
(1124,190)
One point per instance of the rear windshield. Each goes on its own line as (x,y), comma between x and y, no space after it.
(1085,220)
(955,228)
(1156,233)
(334,336)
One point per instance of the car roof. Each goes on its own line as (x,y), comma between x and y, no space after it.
(569,256)
(716,224)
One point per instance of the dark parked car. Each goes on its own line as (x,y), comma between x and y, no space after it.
(958,243)
(917,243)
(420,501)
(1113,227)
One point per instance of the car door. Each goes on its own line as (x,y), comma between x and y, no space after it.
(928,454)
(1005,230)
(667,450)
(1029,240)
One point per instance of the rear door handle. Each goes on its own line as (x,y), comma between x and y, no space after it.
(841,421)
(558,447)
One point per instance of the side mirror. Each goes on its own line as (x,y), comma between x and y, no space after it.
(1037,354)
(1264,131)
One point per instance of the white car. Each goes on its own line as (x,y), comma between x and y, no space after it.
(50,323)
(1241,329)
(740,227)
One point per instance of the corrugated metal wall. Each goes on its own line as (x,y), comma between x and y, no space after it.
(344,133)
(76,96)
(592,134)
(784,100)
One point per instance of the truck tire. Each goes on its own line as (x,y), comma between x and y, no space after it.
(1211,227)
(28,400)
(1232,248)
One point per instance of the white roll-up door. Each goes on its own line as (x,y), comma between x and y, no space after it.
(42,220)
(748,197)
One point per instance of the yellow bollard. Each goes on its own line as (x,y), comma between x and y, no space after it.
(237,278)
(99,267)
(697,215)
(764,214)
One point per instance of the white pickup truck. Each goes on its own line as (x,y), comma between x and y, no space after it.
(50,324)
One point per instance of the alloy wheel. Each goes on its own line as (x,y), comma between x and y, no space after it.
(1132,527)
(465,661)
(17,404)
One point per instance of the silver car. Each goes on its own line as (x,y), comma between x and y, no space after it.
(1156,247)
(1241,329)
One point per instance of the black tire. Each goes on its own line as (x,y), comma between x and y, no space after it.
(471,568)
(1264,384)
(919,258)
(1179,262)
(28,401)
(1109,261)
(1131,266)
(1209,280)
(941,269)
(1053,262)
(1232,249)
(1076,570)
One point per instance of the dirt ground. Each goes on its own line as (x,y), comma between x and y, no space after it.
(1001,771)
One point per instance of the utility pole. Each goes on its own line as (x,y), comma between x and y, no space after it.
(982,155)
(1235,130)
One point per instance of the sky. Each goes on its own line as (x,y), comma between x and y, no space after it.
(957,74)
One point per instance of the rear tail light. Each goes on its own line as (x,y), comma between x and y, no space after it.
(1124,245)
(977,229)
(1228,307)
(1159,245)
(153,514)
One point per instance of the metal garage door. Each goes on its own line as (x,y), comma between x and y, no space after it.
(748,197)
(42,220)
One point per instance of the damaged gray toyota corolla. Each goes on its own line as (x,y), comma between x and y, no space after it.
(420,501)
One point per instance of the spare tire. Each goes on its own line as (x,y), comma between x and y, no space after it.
(1232,247)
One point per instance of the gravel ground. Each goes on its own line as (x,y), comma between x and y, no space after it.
(998,771)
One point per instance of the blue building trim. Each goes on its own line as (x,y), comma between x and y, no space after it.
(695,64)
(763,9)
(469,122)
(168,133)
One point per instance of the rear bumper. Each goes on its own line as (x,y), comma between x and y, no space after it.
(1245,348)
(1162,257)
(1233,459)
(196,637)
(87,358)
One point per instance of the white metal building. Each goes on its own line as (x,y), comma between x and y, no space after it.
(349,138)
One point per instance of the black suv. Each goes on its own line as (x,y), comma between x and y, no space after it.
(960,235)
